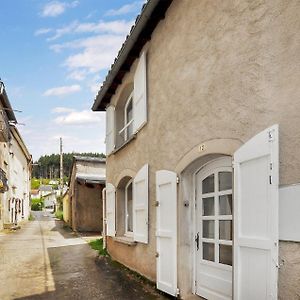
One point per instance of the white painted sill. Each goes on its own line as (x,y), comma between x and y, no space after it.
(133,137)
(125,240)
(124,144)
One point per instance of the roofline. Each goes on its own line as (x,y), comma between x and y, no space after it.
(6,104)
(153,11)
(89,159)
(86,159)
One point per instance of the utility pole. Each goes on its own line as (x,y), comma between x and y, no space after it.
(61,175)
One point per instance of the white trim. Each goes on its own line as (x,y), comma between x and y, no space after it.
(128,233)
(126,122)
(210,165)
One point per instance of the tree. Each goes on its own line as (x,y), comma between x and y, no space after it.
(47,166)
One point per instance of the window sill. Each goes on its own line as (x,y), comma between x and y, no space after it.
(133,137)
(125,240)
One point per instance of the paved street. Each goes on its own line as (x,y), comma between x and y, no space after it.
(45,261)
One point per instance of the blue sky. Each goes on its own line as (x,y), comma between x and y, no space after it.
(54,56)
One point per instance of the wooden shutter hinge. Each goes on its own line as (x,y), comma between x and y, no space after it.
(156,254)
(177,179)
(271,135)
(156,203)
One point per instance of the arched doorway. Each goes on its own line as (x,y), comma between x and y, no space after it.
(213,227)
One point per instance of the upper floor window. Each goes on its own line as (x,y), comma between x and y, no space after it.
(129,115)
(127,131)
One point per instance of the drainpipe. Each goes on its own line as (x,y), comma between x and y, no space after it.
(104,217)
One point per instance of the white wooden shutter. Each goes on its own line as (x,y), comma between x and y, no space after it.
(140,94)
(140,206)
(110,129)
(166,231)
(110,210)
(256,217)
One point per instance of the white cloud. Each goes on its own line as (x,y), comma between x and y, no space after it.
(125,9)
(94,84)
(63,31)
(78,138)
(42,31)
(97,53)
(62,90)
(79,118)
(61,109)
(112,27)
(56,8)
(78,75)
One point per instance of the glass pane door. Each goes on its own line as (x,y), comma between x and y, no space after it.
(216,220)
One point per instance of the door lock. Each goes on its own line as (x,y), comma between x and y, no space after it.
(197,240)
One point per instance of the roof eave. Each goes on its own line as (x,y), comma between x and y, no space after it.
(138,37)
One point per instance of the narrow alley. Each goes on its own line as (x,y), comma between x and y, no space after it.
(45,261)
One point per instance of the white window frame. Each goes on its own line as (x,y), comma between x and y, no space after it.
(216,241)
(128,233)
(126,122)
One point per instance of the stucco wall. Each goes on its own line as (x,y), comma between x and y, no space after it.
(216,69)
(18,177)
(66,209)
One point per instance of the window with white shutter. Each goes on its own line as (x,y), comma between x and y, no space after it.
(110,129)
(110,210)
(140,206)
(140,94)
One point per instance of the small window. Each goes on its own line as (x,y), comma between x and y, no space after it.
(127,125)
(128,118)
(128,209)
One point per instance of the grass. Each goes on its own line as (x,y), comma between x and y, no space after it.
(31,217)
(98,246)
(59,214)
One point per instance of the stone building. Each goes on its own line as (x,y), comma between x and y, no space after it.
(87,180)
(202,136)
(15,164)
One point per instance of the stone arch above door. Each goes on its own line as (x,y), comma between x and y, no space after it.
(208,149)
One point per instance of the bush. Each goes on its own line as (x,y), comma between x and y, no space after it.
(59,214)
(35,183)
(37,204)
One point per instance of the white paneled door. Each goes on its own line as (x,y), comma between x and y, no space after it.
(214,230)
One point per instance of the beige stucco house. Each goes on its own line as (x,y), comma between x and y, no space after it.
(83,207)
(15,166)
(203,134)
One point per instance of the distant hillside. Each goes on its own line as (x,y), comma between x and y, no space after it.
(47,166)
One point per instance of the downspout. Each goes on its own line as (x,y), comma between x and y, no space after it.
(104,217)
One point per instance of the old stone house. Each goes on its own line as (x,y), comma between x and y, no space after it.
(87,180)
(15,163)
(203,131)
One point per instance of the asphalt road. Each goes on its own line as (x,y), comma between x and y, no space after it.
(43,260)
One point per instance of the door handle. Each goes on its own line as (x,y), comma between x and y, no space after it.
(197,240)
